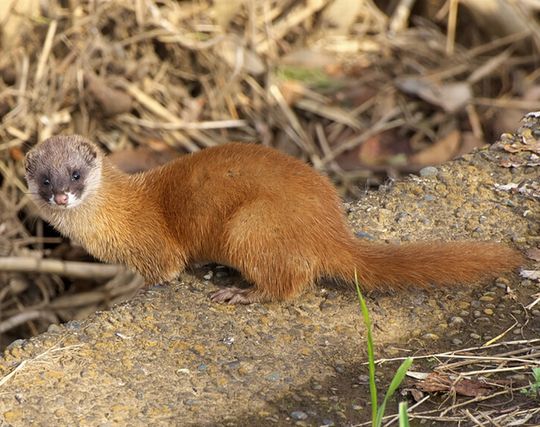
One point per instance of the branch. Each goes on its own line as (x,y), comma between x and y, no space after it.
(79,270)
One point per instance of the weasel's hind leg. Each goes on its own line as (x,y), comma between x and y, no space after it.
(269,256)
(268,285)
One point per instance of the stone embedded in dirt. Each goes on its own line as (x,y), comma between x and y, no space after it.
(299,415)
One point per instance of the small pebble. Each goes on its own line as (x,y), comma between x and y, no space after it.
(535,312)
(357,407)
(457,321)
(486,298)
(430,336)
(488,311)
(429,171)
(477,313)
(53,327)
(228,340)
(74,324)
(16,343)
(364,235)
(475,336)
(464,313)
(327,423)
(363,379)
(516,331)
(298,415)
(208,275)
(457,341)
(274,376)
(429,197)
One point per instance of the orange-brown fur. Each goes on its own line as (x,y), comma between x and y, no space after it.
(266,214)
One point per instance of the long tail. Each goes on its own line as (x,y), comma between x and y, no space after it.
(423,264)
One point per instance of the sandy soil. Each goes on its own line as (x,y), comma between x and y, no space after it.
(171,357)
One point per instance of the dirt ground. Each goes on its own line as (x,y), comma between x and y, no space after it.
(171,357)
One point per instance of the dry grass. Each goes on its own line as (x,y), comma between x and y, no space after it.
(345,87)
(495,377)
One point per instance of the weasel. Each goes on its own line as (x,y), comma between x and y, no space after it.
(247,206)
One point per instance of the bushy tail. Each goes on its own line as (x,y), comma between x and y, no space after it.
(423,264)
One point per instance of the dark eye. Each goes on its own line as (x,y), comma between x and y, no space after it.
(46,182)
(75,175)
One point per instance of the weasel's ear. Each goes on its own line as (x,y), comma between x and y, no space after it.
(88,150)
(29,162)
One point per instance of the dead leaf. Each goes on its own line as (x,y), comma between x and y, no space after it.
(530,274)
(468,143)
(370,151)
(512,162)
(442,150)
(417,395)
(507,187)
(534,254)
(110,101)
(528,142)
(438,382)
(452,97)
(16,154)
(142,158)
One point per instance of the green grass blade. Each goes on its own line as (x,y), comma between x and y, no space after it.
(371,354)
(536,375)
(396,381)
(403,415)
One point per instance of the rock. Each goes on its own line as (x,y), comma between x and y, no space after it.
(298,415)
(429,171)
(430,336)
(456,321)
(54,328)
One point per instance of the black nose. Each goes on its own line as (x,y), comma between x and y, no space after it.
(61,199)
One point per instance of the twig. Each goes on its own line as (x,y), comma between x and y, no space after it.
(216,124)
(45,51)
(80,270)
(24,317)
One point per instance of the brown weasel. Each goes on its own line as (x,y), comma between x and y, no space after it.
(247,206)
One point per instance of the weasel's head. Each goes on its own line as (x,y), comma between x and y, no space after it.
(63,171)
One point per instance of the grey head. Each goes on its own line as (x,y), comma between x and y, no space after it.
(63,170)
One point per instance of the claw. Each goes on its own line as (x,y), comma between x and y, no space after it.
(233,295)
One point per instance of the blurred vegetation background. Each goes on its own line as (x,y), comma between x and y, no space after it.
(362,89)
